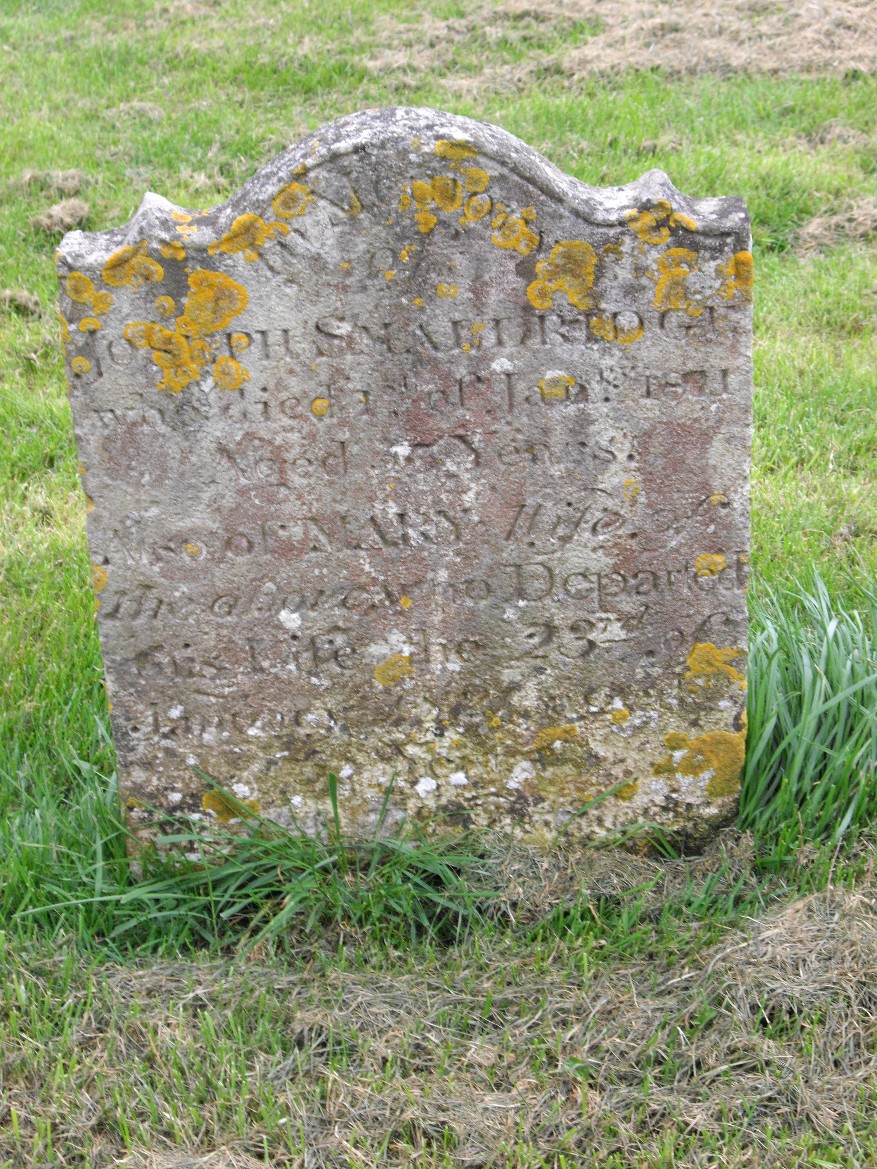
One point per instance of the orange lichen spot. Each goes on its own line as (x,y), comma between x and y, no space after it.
(426,221)
(707,661)
(80,365)
(345,265)
(320,406)
(447,290)
(390,273)
(739,276)
(300,168)
(674,268)
(710,564)
(722,753)
(65,330)
(192,550)
(404,201)
(676,741)
(214,301)
(602,327)
(79,287)
(475,179)
(405,602)
(628,332)
(355,207)
(99,578)
(394,669)
(455,150)
(294,199)
(418,300)
(165,306)
(226,809)
(131,267)
(619,716)
(89,505)
(555,387)
(173,250)
(677,219)
(631,489)
(407,252)
(477,208)
(229,374)
(239,342)
(718,499)
(181,216)
(447,192)
(548,736)
(101,303)
(569,270)
(89,325)
(246,236)
(514,232)
(651,226)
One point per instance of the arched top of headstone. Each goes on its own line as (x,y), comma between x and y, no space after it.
(401,141)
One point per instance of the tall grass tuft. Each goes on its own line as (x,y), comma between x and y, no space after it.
(811,762)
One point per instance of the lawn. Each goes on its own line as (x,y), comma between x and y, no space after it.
(466,1003)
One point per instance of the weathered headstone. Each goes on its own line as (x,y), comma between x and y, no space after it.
(420,459)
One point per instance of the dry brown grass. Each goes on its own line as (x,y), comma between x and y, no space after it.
(683,37)
(856,223)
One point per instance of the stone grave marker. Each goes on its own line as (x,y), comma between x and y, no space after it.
(422,463)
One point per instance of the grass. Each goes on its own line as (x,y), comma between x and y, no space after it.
(465,1002)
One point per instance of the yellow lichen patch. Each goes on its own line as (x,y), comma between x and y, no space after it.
(426,221)
(710,564)
(246,236)
(294,200)
(447,290)
(631,489)
(619,716)
(173,250)
(677,219)
(226,809)
(320,406)
(390,273)
(214,301)
(739,276)
(89,325)
(569,270)
(99,578)
(493,720)
(514,232)
(89,505)
(477,208)
(674,268)
(419,301)
(239,342)
(447,193)
(548,736)
(65,330)
(676,741)
(650,225)
(555,387)
(455,150)
(101,303)
(626,334)
(722,753)
(345,265)
(229,374)
(165,306)
(407,252)
(602,327)
(627,791)
(706,660)
(718,499)
(131,267)
(170,352)
(79,287)
(475,179)
(394,669)
(192,550)
(181,216)
(355,207)
(80,365)
(405,602)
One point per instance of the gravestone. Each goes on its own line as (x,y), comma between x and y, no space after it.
(422,463)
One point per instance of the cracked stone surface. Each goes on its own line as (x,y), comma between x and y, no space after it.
(422,463)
